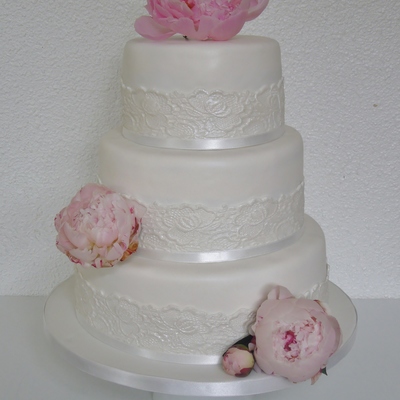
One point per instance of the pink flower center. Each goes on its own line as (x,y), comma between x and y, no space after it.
(298,340)
(290,339)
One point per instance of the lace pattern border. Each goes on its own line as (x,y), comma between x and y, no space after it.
(203,114)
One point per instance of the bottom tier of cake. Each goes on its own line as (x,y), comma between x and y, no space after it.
(191,313)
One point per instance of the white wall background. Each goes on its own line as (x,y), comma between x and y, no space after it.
(60,63)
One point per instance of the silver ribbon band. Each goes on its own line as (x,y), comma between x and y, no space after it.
(220,256)
(203,144)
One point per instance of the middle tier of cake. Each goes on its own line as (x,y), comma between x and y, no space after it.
(246,201)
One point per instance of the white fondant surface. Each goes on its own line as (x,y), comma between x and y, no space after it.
(243,63)
(210,178)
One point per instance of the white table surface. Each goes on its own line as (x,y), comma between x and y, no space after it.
(31,370)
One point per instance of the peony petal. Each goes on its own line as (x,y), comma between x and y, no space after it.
(78,239)
(62,242)
(178,9)
(256,8)
(139,210)
(228,28)
(85,256)
(150,6)
(58,220)
(102,237)
(115,252)
(279,293)
(89,191)
(336,332)
(186,27)
(150,29)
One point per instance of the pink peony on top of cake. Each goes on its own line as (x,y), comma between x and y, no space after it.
(197,19)
(99,227)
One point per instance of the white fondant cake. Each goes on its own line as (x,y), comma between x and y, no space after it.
(204,148)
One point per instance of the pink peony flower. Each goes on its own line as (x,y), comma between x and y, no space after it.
(99,227)
(238,361)
(294,337)
(197,19)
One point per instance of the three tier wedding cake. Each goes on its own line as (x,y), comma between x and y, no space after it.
(200,206)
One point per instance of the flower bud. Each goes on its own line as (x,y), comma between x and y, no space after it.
(238,361)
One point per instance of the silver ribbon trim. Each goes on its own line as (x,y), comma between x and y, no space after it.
(220,256)
(203,144)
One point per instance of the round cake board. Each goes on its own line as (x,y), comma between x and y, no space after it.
(96,358)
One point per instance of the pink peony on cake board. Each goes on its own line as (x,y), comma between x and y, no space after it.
(98,359)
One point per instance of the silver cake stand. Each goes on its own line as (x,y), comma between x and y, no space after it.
(94,357)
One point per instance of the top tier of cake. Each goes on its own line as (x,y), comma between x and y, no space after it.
(203,95)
